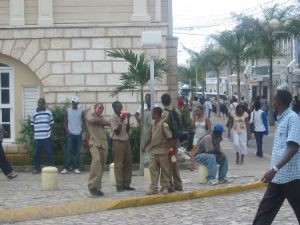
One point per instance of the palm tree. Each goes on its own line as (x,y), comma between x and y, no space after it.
(237,46)
(215,60)
(189,73)
(277,23)
(137,77)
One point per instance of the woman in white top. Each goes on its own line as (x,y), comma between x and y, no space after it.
(202,126)
(259,118)
(240,132)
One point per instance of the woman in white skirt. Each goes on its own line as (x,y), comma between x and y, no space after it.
(202,126)
(239,128)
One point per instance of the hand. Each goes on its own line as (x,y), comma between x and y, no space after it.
(268,176)
(123,117)
(143,149)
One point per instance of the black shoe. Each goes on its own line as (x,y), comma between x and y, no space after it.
(171,189)
(129,188)
(12,175)
(120,189)
(96,192)
(178,189)
(36,172)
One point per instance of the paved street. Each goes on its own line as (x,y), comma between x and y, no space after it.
(230,209)
(236,208)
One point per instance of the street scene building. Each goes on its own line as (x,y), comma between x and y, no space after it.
(58,49)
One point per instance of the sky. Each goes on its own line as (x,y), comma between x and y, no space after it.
(195,20)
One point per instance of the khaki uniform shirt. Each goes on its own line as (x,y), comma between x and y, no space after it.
(115,120)
(160,134)
(97,133)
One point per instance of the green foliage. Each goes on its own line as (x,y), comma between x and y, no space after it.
(138,70)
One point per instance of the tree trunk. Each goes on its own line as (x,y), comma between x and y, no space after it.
(218,93)
(238,82)
(270,97)
(141,169)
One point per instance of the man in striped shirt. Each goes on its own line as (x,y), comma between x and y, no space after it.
(41,121)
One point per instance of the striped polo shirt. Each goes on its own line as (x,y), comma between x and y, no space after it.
(41,121)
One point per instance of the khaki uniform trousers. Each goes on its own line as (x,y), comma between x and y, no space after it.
(122,163)
(99,156)
(159,165)
(175,179)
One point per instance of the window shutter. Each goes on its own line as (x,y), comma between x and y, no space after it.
(30,98)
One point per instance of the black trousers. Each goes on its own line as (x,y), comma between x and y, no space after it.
(4,164)
(273,200)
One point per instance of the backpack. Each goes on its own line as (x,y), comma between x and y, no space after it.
(174,123)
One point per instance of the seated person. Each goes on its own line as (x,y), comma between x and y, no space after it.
(208,152)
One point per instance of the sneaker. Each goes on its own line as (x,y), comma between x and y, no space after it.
(212,182)
(64,171)
(12,175)
(77,171)
(223,181)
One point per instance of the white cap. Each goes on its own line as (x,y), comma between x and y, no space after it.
(75,99)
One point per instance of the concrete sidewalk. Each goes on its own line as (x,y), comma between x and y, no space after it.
(26,190)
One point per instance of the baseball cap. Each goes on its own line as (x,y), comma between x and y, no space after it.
(218,128)
(75,99)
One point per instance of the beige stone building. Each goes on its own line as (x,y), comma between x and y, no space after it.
(58,48)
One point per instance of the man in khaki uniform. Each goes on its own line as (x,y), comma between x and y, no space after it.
(121,148)
(98,146)
(160,143)
(175,180)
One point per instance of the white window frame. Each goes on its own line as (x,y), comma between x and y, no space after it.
(11,104)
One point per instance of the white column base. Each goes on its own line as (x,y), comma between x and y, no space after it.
(141,17)
(17,22)
(45,21)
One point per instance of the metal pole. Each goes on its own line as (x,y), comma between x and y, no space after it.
(152,81)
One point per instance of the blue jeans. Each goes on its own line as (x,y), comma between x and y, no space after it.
(72,154)
(210,161)
(258,138)
(47,144)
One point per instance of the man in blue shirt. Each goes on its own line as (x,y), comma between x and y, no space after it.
(284,177)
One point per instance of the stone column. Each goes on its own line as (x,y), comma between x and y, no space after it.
(45,12)
(157,10)
(16,16)
(172,43)
(140,12)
